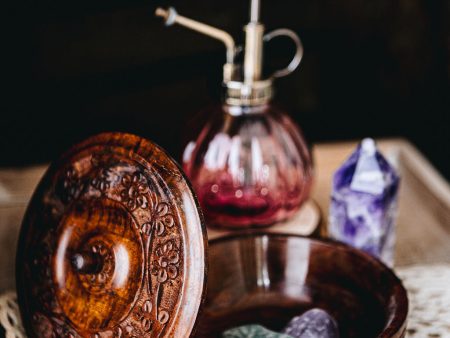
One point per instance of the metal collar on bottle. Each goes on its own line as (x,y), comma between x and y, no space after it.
(248,94)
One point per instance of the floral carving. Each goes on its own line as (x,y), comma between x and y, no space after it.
(101,182)
(144,315)
(165,266)
(42,325)
(163,219)
(71,185)
(163,316)
(128,332)
(46,327)
(134,189)
(146,229)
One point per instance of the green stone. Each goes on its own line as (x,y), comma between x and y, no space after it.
(252,331)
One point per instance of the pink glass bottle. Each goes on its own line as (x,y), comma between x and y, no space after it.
(249,165)
(251,168)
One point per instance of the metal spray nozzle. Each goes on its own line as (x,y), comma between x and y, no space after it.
(250,84)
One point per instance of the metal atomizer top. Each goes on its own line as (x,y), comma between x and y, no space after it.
(244,83)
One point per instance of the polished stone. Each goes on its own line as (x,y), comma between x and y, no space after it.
(315,323)
(364,202)
(252,331)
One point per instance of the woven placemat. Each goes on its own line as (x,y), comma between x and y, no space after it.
(428,291)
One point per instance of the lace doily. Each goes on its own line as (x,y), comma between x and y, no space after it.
(429,300)
(428,291)
(10,317)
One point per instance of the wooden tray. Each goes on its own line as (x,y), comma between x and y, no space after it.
(306,222)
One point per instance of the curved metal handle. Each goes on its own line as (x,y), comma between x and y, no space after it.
(298,54)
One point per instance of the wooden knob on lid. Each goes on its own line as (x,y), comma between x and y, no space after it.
(88,263)
(112,245)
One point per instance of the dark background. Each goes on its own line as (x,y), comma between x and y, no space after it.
(74,68)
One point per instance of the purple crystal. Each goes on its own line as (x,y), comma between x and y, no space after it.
(252,331)
(364,202)
(314,323)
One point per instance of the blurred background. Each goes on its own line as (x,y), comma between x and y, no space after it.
(75,68)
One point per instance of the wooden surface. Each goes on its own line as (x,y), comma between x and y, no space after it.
(423,233)
(305,222)
(112,244)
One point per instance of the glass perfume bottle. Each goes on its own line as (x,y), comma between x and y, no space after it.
(250,165)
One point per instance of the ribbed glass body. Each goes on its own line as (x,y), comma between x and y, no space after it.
(248,166)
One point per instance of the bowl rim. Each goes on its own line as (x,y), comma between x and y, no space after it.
(396,326)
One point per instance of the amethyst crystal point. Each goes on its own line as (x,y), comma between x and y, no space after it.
(364,202)
(314,323)
(252,331)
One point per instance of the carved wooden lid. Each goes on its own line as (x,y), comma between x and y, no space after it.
(112,245)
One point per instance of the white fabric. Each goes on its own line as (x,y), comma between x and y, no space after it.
(429,300)
(9,315)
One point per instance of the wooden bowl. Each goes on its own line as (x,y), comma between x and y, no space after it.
(270,278)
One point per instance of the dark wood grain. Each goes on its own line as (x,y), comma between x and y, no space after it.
(112,245)
(270,278)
